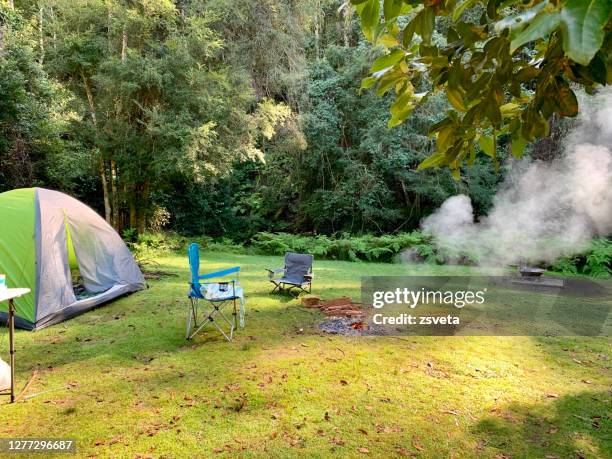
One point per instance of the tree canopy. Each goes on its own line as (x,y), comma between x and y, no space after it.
(506,66)
(227,118)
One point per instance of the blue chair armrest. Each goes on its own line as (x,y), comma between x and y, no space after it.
(222,273)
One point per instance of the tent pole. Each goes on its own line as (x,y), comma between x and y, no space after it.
(11,323)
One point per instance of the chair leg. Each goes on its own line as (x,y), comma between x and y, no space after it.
(235,314)
(229,323)
(188,326)
(216,312)
(192,319)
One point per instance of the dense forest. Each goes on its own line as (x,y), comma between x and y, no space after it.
(215,117)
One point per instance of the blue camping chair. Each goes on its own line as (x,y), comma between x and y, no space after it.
(208,299)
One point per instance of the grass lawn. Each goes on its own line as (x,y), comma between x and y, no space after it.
(123,382)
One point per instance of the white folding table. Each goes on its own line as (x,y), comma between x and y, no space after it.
(9,295)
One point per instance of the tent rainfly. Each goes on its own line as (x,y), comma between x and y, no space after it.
(45,233)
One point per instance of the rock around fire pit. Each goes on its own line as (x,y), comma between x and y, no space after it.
(337,307)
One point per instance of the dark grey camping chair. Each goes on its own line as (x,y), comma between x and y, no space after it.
(297,273)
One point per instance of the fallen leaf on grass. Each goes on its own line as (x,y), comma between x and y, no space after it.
(415,443)
(240,404)
(552,395)
(293,441)
(386,429)
(343,382)
(552,430)
(299,425)
(337,441)
(401,451)
(586,381)
(362,430)
(363,450)
(99,443)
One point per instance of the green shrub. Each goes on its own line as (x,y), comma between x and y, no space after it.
(595,262)
(357,248)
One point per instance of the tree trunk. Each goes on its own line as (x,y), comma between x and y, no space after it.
(107,206)
(133,219)
(54,28)
(101,165)
(109,19)
(41,38)
(124,43)
(142,221)
(144,203)
(317,29)
(115,194)
(348,19)
(90,99)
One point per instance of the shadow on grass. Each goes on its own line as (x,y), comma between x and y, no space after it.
(571,426)
(141,328)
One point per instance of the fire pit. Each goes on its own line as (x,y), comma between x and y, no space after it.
(343,316)
(529,271)
(343,326)
(532,276)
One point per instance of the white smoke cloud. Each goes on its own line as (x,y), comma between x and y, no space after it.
(543,210)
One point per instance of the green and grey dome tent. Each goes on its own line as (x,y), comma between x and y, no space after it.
(45,233)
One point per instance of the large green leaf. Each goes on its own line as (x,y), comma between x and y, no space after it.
(370,17)
(566,99)
(583,22)
(368,82)
(434,160)
(408,33)
(388,60)
(518,145)
(392,8)
(388,81)
(455,97)
(541,26)
(426,24)
(487,145)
